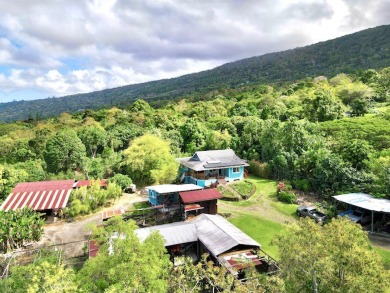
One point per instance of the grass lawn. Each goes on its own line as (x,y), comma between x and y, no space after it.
(385,254)
(264,187)
(263,231)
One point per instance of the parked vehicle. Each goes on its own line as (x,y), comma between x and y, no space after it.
(358,216)
(311,212)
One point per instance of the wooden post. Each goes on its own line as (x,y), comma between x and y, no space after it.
(372,221)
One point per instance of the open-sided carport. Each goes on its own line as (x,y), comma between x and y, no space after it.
(367,202)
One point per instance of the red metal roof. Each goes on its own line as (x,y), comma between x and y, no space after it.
(87,183)
(109,214)
(93,248)
(200,195)
(39,196)
(192,207)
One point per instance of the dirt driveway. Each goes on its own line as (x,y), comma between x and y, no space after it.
(72,236)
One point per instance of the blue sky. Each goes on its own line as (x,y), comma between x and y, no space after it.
(63,47)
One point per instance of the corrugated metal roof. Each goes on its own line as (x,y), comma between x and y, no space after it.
(87,183)
(174,233)
(192,207)
(170,188)
(206,160)
(219,235)
(365,201)
(39,196)
(109,214)
(214,154)
(215,232)
(200,195)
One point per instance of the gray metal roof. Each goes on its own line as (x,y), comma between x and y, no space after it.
(170,188)
(204,160)
(214,231)
(175,233)
(219,235)
(365,201)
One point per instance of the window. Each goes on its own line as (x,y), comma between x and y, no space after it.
(236,170)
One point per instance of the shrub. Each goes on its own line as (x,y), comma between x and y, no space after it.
(121,180)
(87,199)
(302,184)
(287,197)
(260,169)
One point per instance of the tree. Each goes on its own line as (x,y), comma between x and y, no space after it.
(121,180)
(194,135)
(64,152)
(148,159)
(357,152)
(47,274)
(123,263)
(93,137)
(338,255)
(323,107)
(9,177)
(218,140)
(205,276)
(19,227)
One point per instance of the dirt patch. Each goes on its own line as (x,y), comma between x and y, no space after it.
(380,239)
(72,236)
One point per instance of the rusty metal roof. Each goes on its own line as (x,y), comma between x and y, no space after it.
(39,196)
(192,207)
(109,214)
(87,183)
(200,195)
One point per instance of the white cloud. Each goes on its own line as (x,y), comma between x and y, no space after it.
(64,47)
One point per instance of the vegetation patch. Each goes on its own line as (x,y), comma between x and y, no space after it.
(227,194)
(287,197)
(245,188)
(385,254)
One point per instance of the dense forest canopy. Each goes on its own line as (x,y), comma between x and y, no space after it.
(324,135)
(361,50)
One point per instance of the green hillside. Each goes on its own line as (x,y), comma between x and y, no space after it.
(361,50)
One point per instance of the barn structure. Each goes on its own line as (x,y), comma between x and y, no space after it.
(212,234)
(199,202)
(43,196)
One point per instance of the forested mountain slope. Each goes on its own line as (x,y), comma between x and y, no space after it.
(361,50)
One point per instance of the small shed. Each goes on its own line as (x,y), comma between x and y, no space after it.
(168,194)
(200,201)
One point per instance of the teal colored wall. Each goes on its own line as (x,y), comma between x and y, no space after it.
(158,199)
(235,176)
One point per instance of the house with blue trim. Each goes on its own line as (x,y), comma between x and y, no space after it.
(207,167)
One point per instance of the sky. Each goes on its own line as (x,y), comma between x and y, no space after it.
(61,47)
